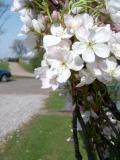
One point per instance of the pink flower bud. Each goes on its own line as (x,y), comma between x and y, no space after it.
(46,18)
(55,15)
(116,27)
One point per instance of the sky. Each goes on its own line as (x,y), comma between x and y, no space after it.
(12,29)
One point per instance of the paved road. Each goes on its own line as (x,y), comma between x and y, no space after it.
(17,70)
(20,100)
(22,86)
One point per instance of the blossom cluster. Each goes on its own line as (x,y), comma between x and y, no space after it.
(79,43)
(113,7)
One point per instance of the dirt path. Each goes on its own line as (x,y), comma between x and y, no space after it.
(17,70)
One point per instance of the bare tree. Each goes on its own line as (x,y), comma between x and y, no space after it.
(18,48)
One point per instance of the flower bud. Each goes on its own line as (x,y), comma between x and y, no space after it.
(55,15)
(46,18)
(116,27)
(76,10)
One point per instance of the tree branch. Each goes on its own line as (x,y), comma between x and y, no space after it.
(75,137)
(86,137)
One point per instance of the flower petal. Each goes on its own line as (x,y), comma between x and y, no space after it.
(26,20)
(64,74)
(57,29)
(75,62)
(65,44)
(24,30)
(106,77)
(79,47)
(86,77)
(88,56)
(45,83)
(36,25)
(55,86)
(102,34)
(101,50)
(58,54)
(108,64)
(82,34)
(115,47)
(49,40)
(68,19)
(66,34)
(73,22)
(77,22)
(88,21)
(116,17)
(94,69)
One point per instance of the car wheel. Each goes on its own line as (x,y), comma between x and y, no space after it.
(4,78)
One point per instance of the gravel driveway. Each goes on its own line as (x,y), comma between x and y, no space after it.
(19,101)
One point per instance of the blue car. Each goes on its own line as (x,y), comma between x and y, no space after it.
(5,75)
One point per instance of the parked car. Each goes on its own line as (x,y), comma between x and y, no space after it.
(5,75)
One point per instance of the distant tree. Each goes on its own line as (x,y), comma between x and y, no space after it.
(3,9)
(18,48)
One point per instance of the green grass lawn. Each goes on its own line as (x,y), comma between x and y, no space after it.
(4,65)
(55,102)
(44,138)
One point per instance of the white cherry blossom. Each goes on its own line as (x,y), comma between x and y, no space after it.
(94,69)
(48,77)
(24,30)
(44,62)
(41,72)
(113,7)
(73,23)
(27,20)
(92,43)
(58,33)
(105,70)
(61,59)
(78,44)
(66,58)
(77,22)
(17,5)
(115,44)
(28,11)
(110,67)
(64,44)
(39,24)
(86,78)
(116,50)
(51,79)
(76,10)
